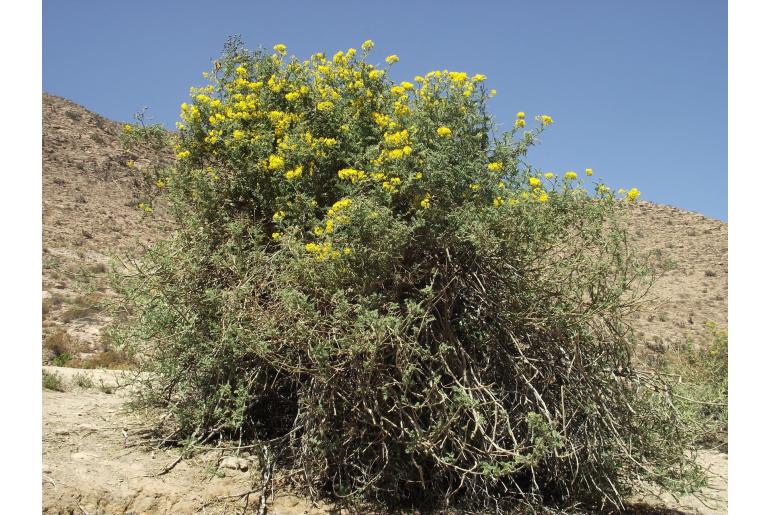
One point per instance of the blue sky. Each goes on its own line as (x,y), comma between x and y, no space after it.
(637,90)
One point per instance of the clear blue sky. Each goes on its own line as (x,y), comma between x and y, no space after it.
(637,89)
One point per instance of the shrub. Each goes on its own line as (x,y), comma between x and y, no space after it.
(62,347)
(369,275)
(83,380)
(53,381)
(700,393)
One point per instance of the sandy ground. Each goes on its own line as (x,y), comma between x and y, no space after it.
(96,460)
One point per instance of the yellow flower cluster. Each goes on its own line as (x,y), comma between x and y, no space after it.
(425,202)
(351,175)
(299,119)
(520,122)
(295,173)
(275,162)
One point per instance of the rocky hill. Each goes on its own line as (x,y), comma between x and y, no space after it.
(90,196)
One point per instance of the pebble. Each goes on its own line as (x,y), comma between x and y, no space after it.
(234,463)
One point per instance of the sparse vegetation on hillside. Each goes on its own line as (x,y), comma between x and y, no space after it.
(367,277)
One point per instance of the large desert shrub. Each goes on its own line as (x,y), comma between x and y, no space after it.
(368,275)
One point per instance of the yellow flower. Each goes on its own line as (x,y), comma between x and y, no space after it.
(407,85)
(418,175)
(425,202)
(492,93)
(128,129)
(549,175)
(347,250)
(280,48)
(498,202)
(495,167)
(589,172)
(376,74)
(534,182)
(570,175)
(130,164)
(520,115)
(293,174)
(274,162)
(520,123)
(633,194)
(291,97)
(474,187)
(542,196)
(547,120)
(238,134)
(351,175)
(183,154)
(478,77)
(391,59)
(276,235)
(444,132)
(325,106)
(367,45)
(278,216)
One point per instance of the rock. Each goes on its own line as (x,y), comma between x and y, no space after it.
(234,463)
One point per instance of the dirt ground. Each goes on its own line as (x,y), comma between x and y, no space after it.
(96,460)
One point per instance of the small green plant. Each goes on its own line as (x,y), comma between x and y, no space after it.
(62,359)
(53,381)
(83,380)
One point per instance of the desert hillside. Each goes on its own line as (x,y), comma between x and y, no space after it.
(90,196)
